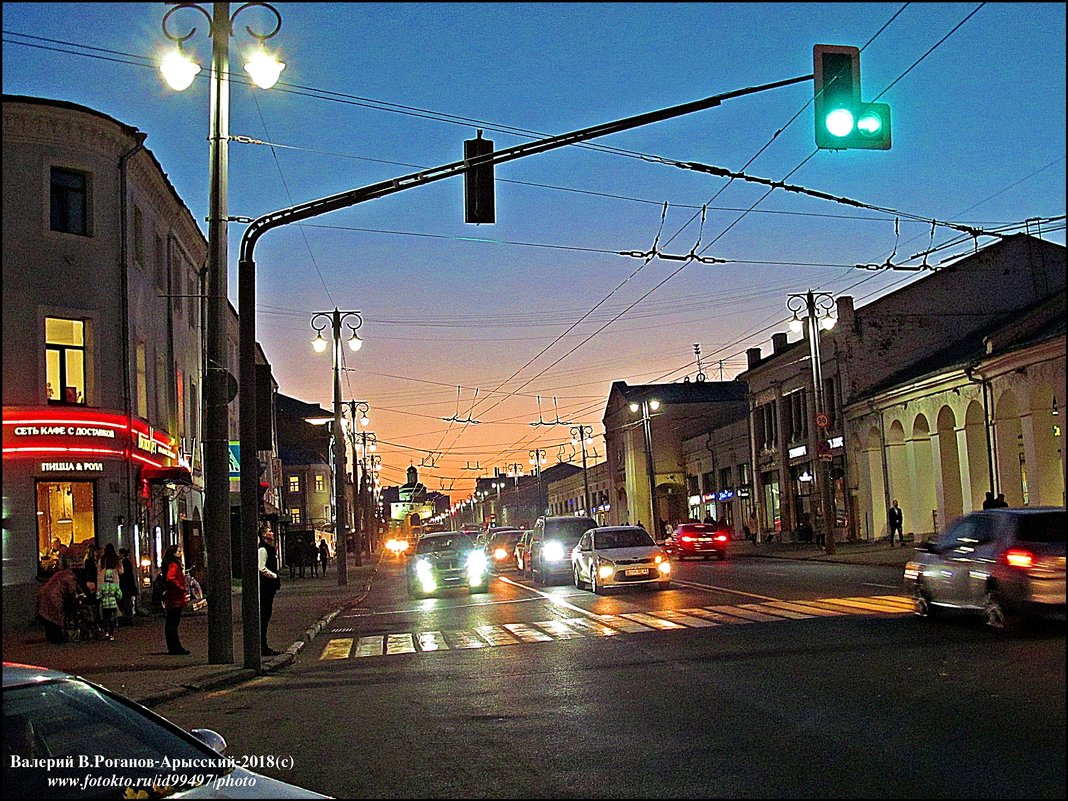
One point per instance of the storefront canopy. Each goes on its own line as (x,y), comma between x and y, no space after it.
(170,475)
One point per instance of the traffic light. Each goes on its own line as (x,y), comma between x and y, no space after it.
(478,183)
(843,121)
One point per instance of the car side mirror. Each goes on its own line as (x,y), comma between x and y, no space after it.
(212,739)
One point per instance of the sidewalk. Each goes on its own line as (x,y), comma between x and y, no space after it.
(137,665)
(860,552)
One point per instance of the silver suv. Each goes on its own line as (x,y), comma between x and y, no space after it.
(1003,563)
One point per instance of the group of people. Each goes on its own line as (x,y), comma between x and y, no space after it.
(995,503)
(307,554)
(104,585)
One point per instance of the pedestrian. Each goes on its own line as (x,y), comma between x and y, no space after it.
(267,557)
(1000,502)
(896,519)
(56,598)
(297,558)
(642,527)
(709,520)
(109,590)
(753,532)
(128,585)
(312,555)
(988,502)
(175,598)
(90,579)
(324,555)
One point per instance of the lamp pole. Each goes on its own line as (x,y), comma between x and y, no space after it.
(319,321)
(812,303)
(374,466)
(179,72)
(645,406)
(583,432)
(351,410)
(537,458)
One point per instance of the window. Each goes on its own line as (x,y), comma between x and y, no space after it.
(767,426)
(65,360)
(194,299)
(65,520)
(142,381)
(320,483)
(294,483)
(708,482)
(797,418)
(138,238)
(68,198)
(179,386)
(294,513)
(725,478)
(691,485)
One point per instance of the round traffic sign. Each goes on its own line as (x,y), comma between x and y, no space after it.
(823,420)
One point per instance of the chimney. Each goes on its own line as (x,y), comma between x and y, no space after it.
(778,342)
(844,307)
(752,358)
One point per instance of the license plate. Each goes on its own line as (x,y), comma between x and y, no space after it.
(636,572)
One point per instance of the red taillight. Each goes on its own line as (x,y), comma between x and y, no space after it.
(1017,557)
(687,538)
(721,538)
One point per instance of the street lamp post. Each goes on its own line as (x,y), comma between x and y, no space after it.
(645,407)
(356,411)
(179,72)
(319,322)
(537,458)
(373,466)
(583,433)
(812,303)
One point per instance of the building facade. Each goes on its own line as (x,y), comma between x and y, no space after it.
(719,483)
(568,495)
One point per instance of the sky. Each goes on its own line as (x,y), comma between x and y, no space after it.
(542,303)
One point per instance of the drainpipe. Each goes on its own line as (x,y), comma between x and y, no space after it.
(124,278)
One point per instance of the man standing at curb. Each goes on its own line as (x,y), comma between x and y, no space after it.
(895,518)
(269,584)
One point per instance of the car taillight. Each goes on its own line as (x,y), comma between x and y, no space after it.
(1017,557)
(721,538)
(687,538)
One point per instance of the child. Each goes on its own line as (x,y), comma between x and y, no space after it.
(110,594)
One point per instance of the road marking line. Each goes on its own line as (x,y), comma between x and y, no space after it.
(400,644)
(842,609)
(683,618)
(858,604)
(772,609)
(649,620)
(715,617)
(370,646)
(432,641)
(558,630)
(748,614)
(628,626)
(495,635)
(801,606)
(721,589)
(592,626)
(553,598)
(902,600)
(526,634)
(463,639)
(880,605)
(337,649)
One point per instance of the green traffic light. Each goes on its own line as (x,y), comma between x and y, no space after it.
(840,122)
(869,124)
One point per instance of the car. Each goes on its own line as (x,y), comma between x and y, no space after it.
(500,548)
(698,539)
(1004,564)
(551,541)
(445,560)
(522,548)
(73,738)
(619,556)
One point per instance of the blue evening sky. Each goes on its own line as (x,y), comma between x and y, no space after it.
(373,91)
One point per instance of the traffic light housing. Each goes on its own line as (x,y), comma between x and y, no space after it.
(478,183)
(843,121)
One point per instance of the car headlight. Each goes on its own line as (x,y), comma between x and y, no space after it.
(658,558)
(500,554)
(553,551)
(664,567)
(476,562)
(606,570)
(423,568)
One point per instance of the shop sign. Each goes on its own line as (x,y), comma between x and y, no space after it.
(708,497)
(77,432)
(63,431)
(71,467)
(744,492)
(725,495)
(798,452)
(695,500)
(836,442)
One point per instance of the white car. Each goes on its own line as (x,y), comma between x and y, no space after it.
(66,737)
(619,556)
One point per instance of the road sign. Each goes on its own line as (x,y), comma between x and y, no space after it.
(823,451)
(823,420)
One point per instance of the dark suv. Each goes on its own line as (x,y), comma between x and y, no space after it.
(551,542)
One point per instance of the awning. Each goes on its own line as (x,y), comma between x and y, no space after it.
(170,475)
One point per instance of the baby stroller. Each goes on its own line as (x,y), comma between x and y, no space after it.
(81,621)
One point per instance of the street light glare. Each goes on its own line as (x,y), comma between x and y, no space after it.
(355,343)
(827,322)
(264,69)
(634,407)
(178,70)
(796,325)
(319,343)
(654,405)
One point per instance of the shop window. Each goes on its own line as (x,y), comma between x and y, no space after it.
(66,522)
(69,202)
(65,360)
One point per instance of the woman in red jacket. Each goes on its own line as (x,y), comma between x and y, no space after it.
(175,598)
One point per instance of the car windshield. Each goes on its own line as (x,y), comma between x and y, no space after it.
(448,542)
(503,539)
(568,530)
(1045,527)
(68,719)
(621,538)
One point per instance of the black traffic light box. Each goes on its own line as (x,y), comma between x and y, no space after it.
(478,183)
(843,121)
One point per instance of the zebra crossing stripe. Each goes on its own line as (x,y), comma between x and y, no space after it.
(772,610)
(590,626)
(649,620)
(463,639)
(432,641)
(558,630)
(861,604)
(370,646)
(628,626)
(400,644)
(526,634)
(495,635)
(804,608)
(337,649)
(748,614)
(684,619)
(900,600)
(883,605)
(715,617)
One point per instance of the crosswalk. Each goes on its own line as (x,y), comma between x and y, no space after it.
(491,636)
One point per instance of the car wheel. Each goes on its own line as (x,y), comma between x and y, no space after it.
(595,585)
(995,615)
(539,574)
(414,593)
(922,601)
(578,578)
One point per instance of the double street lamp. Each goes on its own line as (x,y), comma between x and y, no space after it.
(817,307)
(319,322)
(178,70)
(579,435)
(646,407)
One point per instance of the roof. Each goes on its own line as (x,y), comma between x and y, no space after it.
(294,407)
(684,391)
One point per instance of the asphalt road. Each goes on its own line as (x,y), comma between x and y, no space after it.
(750,678)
